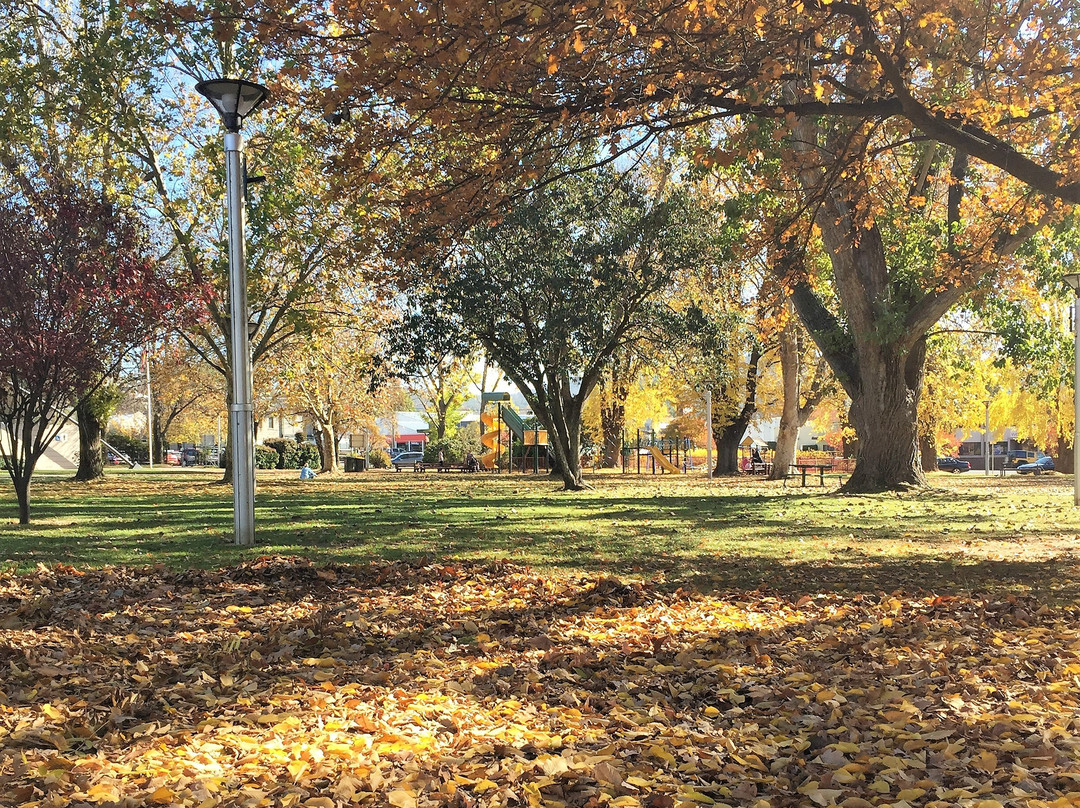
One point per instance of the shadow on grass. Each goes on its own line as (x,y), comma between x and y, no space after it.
(791,541)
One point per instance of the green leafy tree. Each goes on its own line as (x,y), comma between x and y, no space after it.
(554,288)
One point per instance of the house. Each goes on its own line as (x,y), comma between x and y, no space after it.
(404,430)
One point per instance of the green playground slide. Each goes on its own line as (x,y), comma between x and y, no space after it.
(514,422)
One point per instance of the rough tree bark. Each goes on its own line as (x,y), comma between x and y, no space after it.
(797,405)
(1065,459)
(326,441)
(612,423)
(615,386)
(91,463)
(928,452)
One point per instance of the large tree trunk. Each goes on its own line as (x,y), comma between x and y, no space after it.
(1065,459)
(728,439)
(790,423)
(928,452)
(560,413)
(729,434)
(612,422)
(326,440)
(91,464)
(884,414)
(22,494)
(161,443)
(565,440)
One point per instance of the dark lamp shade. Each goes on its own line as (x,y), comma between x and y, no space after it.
(1072,280)
(234,99)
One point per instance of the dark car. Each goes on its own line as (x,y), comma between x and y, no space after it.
(406,460)
(953,464)
(189,457)
(1038,467)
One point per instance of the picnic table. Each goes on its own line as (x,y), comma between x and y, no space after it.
(802,468)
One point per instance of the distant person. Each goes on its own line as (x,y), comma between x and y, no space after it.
(755,456)
(442,459)
(306,473)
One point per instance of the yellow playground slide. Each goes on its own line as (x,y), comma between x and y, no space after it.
(663,461)
(490,439)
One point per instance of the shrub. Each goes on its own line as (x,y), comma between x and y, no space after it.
(307,453)
(378,459)
(288,452)
(266,458)
(449,450)
(132,447)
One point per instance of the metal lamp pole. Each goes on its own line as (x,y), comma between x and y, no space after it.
(1073,280)
(708,430)
(235,100)
(149,413)
(986,441)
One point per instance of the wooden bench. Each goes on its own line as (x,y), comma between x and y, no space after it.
(447,467)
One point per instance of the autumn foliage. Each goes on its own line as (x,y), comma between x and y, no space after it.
(78,290)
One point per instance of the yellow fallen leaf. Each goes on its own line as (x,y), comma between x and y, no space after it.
(910,793)
(163,796)
(401,798)
(986,761)
(102,792)
(51,712)
(661,754)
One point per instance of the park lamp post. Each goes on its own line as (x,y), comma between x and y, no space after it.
(234,100)
(1073,281)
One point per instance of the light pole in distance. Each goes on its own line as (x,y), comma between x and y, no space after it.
(1073,281)
(235,99)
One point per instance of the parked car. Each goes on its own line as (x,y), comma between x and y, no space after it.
(1038,467)
(189,457)
(406,460)
(172,457)
(953,464)
(1019,457)
(115,459)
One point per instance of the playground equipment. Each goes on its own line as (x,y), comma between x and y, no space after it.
(665,464)
(669,455)
(502,427)
(491,437)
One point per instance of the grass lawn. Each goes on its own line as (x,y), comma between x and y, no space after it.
(761,647)
(968,533)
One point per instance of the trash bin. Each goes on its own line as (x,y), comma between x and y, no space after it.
(355,464)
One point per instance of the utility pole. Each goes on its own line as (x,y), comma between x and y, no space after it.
(149,412)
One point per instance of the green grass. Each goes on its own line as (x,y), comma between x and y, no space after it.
(967,533)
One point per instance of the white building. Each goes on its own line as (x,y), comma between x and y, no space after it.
(62,453)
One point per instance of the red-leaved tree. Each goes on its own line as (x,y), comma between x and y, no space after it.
(78,290)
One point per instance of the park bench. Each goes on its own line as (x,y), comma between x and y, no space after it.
(445,467)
